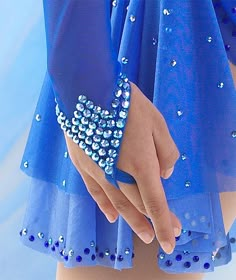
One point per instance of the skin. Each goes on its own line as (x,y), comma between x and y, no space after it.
(140,200)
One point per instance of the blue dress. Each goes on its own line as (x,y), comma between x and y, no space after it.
(177,53)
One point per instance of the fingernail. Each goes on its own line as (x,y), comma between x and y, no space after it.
(110,218)
(146,237)
(177,231)
(167,247)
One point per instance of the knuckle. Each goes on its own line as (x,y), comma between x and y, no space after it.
(155,209)
(121,205)
(95,191)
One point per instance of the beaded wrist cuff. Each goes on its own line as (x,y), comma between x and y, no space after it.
(98,131)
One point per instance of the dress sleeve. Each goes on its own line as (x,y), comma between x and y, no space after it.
(92,96)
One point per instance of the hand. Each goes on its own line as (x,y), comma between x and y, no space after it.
(147,153)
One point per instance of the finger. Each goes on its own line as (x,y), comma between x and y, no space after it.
(166,150)
(137,221)
(153,196)
(100,198)
(133,195)
(165,174)
(176,224)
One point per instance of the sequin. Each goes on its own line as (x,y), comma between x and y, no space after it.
(66,258)
(114,3)
(50,241)
(187,184)
(220,85)
(120,123)
(161,256)
(154,41)
(102,163)
(107,252)
(64,183)
(180,113)
(24,231)
(89,104)
(92,243)
(107,133)
(56,244)
(80,107)
(112,153)
(40,235)
(166,12)
(173,62)
(71,253)
(66,155)
(168,30)
(46,244)
(115,143)
(183,157)
(104,143)
(227,47)
(109,170)
(127,251)
(26,164)
(132,18)
(209,39)
(233,134)
(110,123)
(61,239)
(117,133)
(38,118)
(124,60)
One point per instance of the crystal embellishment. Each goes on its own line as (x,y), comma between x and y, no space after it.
(96,130)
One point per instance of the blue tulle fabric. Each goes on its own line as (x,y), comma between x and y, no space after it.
(177,53)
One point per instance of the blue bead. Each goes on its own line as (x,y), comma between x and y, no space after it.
(53,248)
(120,258)
(168,263)
(112,257)
(101,255)
(46,244)
(79,259)
(56,244)
(86,251)
(31,238)
(66,258)
(177,238)
(195,258)
(178,257)
(232,240)
(93,257)
(206,265)
(133,255)
(187,264)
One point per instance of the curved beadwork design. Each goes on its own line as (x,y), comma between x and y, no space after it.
(98,131)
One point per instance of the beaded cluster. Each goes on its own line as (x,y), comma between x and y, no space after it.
(99,131)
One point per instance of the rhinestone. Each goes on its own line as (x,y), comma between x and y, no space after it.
(173,62)
(59,120)
(183,156)
(113,113)
(102,163)
(104,114)
(88,140)
(89,132)
(63,127)
(117,133)
(110,161)
(89,104)
(187,264)
(126,94)
(81,135)
(95,146)
(109,170)
(40,235)
(82,127)
(38,118)
(220,85)
(102,123)
(233,134)
(186,252)
(107,252)
(206,265)
(125,104)
(99,131)
(69,133)
(24,231)
(74,129)
(123,114)
(227,47)
(82,98)
(213,258)
(92,125)
(120,123)
(115,103)
(82,145)
(87,113)
(97,109)
(114,3)
(62,116)
(187,184)
(104,143)
(102,152)
(115,143)
(97,138)
(180,113)
(88,151)
(61,239)
(76,139)
(92,243)
(95,156)
(195,258)
(118,92)
(77,114)
(107,133)
(132,18)
(124,60)
(71,253)
(209,39)
(50,241)
(75,121)
(168,263)
(84,120)
(57,110)
(154,41)
(79,259)
(26,164)
(111,123)
(66,155)
(161,256)
(127,251)
(94,118)
(86,251)
(67,123)
(166,12)
(112,153)
(80,107)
